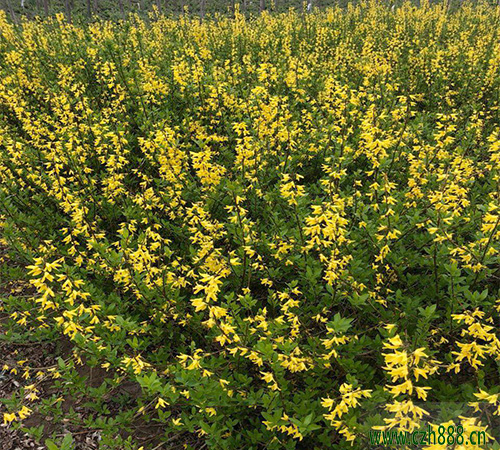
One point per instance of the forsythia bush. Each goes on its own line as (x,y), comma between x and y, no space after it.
(285,229)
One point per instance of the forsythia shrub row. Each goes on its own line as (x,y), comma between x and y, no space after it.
(285,229)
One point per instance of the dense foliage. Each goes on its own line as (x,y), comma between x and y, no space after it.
(284,229)
(91,10)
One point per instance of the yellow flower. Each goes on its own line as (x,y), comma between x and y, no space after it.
(9,417)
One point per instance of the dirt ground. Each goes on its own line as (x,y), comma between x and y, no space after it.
(39,355)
